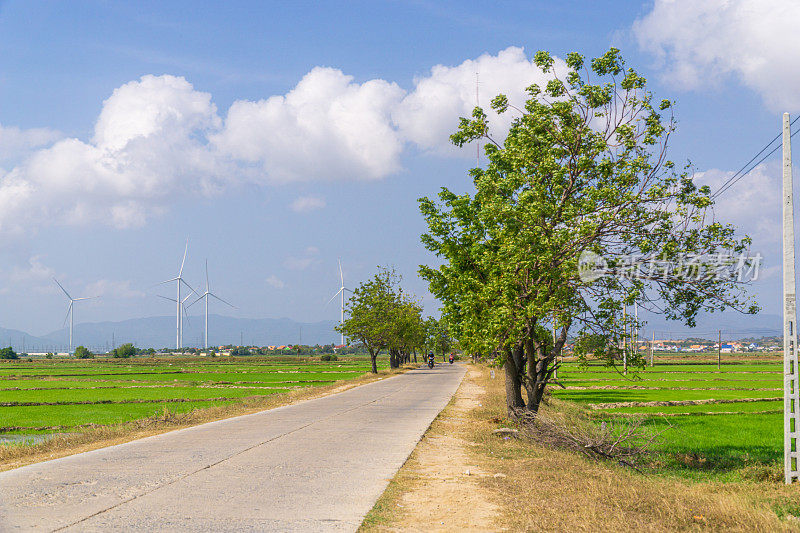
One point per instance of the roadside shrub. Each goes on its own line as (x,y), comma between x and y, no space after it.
(124,351)
(49,355)
(329,357)
(8,353)
(82,352)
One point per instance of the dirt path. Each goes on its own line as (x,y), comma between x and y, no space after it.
(438,487)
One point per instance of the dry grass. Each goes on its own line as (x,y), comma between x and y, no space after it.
(551,490)
(91,438)
(525,486)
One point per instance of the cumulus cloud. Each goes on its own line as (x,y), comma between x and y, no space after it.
(429,114)
(147,146)
(304,204)
(16,143)
(274,282)
(700,43)
(327,127)
(158,139)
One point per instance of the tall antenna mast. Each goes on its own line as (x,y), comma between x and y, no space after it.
(478,142)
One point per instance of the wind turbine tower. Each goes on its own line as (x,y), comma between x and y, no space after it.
(340,293)
(205,296)
(71,311)
(179,301)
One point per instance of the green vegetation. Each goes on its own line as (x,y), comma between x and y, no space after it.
(8,353)
(706,438)
(82,352)
(63,395)
(581,180)
(124,351)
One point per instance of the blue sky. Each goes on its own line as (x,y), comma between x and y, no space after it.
(126,127)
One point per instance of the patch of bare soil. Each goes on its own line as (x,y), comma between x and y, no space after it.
(438,488)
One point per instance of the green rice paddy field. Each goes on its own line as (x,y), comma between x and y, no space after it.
(729,421)
(45,396)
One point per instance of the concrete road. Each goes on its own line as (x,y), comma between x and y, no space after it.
(319,465)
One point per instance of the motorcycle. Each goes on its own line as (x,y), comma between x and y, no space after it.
(430,361)
(451,359)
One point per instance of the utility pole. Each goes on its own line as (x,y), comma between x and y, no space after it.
(625,339)
(652,348)
(791,414)
(719,350)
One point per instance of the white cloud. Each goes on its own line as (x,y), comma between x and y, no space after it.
(107,288)
(35,271)
(15,142)
(429,114)
(700,43)
(308,258)
(304,204)
(275,282)
(148,146)
(326,128)
(157,139)
(752,205)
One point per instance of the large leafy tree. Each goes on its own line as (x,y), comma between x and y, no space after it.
(583,169)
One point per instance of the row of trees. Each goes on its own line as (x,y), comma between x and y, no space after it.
(382,316)
(582,173)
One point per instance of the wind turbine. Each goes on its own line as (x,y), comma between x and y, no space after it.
(185,313)
(71,311)
(179,301)
(341,294)
(206,295)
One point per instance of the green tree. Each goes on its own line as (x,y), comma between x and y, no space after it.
(82,352)
(583,169)
(369,313)
(124,351)
(8,353)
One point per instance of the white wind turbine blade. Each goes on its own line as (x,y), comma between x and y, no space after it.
(206,275)
(69,310)
(167,298)
(185,251)
(221,300)
(341,275)
(334,296)
(197,300)
(62,288)
(190,287)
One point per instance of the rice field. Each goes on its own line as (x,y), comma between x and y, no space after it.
(57,396)
(718,423)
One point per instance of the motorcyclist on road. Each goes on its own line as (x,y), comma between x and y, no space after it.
(451,359)
(430,360)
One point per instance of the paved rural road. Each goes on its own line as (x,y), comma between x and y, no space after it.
(319,465)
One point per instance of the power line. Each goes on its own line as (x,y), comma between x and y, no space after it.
(739,175)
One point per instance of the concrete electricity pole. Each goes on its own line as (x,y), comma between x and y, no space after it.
(791,415)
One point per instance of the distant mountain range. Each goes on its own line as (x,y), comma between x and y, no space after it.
(159,332)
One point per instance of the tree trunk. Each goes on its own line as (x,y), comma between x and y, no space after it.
(513,368)
(394,358)
(373,356)
(538,372)
(415,355)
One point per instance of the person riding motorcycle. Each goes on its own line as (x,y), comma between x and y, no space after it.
(451,359)
(430,360)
